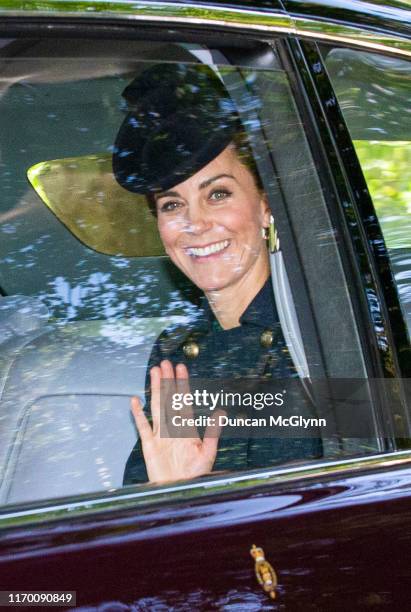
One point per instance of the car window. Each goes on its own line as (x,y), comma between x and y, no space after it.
(374,96)
(96,289)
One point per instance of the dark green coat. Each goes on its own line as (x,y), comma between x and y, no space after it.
(229,354)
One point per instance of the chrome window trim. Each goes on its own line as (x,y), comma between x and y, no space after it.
(351,36)
(127,498)
(263,22)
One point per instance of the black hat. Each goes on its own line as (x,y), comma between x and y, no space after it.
(180,118)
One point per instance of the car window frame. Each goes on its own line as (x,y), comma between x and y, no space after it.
(386,339)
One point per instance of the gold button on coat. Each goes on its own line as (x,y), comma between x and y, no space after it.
(191,350)
(266,338)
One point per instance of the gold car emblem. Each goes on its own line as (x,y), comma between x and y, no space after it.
(264,572)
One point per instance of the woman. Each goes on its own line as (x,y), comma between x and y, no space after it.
(182,145)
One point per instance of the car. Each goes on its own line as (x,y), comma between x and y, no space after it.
(323,91)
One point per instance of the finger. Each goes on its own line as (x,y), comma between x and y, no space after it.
(181,371)
(183,387)
(183,378)
(168,383)
(155,381)
(212,436)
(167,369)
(142,424)
(168,389)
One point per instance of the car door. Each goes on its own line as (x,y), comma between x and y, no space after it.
(334,529)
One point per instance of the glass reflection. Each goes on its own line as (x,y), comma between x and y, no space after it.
(374,93)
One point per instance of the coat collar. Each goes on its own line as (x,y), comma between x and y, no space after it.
(261,311)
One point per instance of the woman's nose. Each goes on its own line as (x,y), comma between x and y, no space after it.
(198,220)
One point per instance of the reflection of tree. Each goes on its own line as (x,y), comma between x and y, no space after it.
(101,295)
(38,256)
(386,167)
(373,92)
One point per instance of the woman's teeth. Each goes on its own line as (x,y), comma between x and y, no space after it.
(208,250)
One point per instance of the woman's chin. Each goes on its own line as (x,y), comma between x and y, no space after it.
(212,284)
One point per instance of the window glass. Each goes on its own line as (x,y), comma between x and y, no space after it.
(374,96)
(159,202)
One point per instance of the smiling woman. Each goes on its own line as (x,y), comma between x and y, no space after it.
(213,227)
(178,146)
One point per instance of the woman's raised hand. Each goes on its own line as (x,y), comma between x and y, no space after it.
(173,458)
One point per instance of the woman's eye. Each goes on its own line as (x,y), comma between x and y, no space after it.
(219,194)
(170,206)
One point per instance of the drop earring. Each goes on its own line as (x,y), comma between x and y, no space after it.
(273,240)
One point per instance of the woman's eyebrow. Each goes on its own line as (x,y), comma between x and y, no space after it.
(167,194)
(203,185)
(208,182)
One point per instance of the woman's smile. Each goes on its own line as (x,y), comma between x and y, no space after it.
(213,250)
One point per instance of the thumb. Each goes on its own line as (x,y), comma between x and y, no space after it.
(142,424)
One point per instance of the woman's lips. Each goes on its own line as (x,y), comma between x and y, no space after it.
(209,250)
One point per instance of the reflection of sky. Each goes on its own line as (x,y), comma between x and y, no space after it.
(225,513)
(134,333)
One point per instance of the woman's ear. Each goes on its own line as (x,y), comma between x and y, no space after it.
(266,211)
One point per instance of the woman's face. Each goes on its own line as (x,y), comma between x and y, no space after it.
(211,225)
